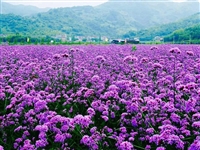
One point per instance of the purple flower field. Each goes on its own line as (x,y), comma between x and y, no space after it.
(102,97)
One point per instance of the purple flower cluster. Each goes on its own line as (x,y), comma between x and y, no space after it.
(100,97)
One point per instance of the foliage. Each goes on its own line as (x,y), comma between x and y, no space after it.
(134,48)
(187,35)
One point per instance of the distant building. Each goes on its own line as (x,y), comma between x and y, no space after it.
(158,39)
(115,41)
(132,41)
(104,38)
(62,37)
(126,41)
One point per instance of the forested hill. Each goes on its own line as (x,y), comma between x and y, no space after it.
(111,19)
(144,14)
(187,35)
(14,24)
(166,29)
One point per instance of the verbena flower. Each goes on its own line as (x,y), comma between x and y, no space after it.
(196,124)
(196,116)
(190,53)
(41,128)
(195,145)
(125,146)
(160,148)
(1,147)
(113,97)
(59,138)
(175,50)
(41,143)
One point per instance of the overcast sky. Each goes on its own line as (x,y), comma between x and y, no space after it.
(67,3)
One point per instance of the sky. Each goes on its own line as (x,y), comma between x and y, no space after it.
(69,3)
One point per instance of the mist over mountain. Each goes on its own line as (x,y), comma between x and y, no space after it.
(112,19)
(151,13)
(167,29)
(22,10)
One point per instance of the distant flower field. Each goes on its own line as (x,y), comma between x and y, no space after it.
(100,97)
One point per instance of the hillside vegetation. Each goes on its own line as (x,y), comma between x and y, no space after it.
(166,29)
(114,20)
(187,35)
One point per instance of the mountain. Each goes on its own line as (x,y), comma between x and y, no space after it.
(22,10)
(150,13)
(112,19)
(166,29)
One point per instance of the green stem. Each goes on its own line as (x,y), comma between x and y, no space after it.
(149,124)
(138,147)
